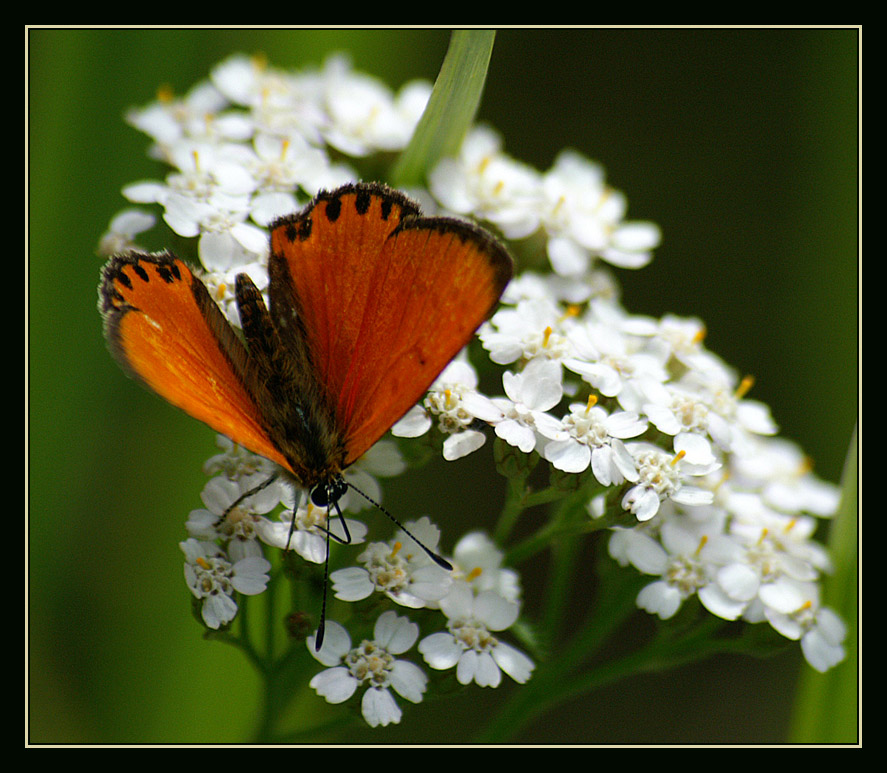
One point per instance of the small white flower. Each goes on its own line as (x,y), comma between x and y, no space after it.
(683,339)
(685,556)
(822,641)
(235,461)
(213,579)
(662,476)
(595,437)
(400,569)
(208,195)
(470,643)
(235,526)
(373,665)
(364,115)
(778,544)
(281,165)
(746,417)
(478,561)
(794,610)
(305,530)
(236,472)
(124,227)
(616,362)
(530,394)
(486,183)
(172,118)
(583,218)
(689,419)
(535,327)
(783,476)
(454,401)
(203,170)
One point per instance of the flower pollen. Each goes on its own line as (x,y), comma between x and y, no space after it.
(744,386)
(370,663)
(473,635)
(686,575)
(677,457)
(474,574)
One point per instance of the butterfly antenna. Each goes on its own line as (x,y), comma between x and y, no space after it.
(318,637)
(247,494)
(439,560)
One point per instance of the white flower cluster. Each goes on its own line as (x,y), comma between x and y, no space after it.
(478,599)
(708,500)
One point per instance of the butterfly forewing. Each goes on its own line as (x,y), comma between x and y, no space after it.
(382,298)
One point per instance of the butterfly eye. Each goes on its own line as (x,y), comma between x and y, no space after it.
(329,492)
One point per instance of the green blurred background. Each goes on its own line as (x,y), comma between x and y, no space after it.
(742,144)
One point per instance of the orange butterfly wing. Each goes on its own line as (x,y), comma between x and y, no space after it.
(380,298)
(165,330)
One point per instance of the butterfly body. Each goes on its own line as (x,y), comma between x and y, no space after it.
(368,302)
(296,415)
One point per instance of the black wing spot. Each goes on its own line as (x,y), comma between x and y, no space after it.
(362,201)
(122,277)
(333,209)
(142,274)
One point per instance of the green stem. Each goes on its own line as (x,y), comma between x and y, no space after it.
(562,679)
(564,552)
(515,504)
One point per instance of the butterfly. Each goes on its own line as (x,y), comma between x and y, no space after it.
(369,300)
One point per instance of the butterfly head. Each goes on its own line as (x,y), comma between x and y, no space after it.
(329,491)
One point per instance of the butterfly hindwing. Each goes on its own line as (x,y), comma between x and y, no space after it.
(165,330)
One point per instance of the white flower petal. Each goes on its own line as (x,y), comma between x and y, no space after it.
(336,644)
(467,667)
(696,448)
(250,575)
(440,650)
(494,611)
(513,662)
(379,707)
(820,652)
(719,603)
(352,583)
(396,634)
(462,443)
(218,610)
(408,680)
(486,672)
(660,599)
(336,685)
(415,422)
(739,581)
(568,455)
